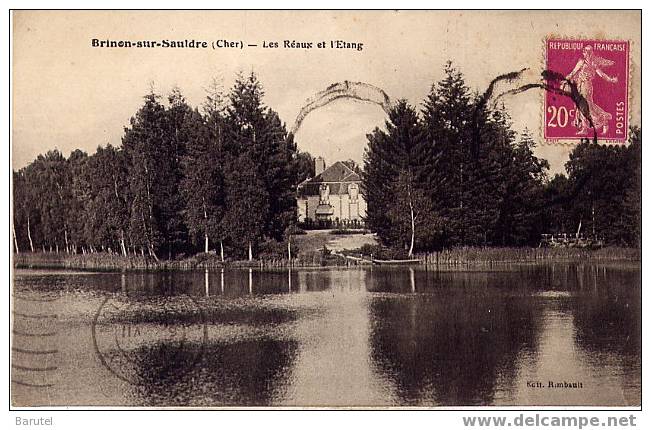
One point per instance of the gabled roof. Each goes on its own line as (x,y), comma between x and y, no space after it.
(337,176)
(338,172)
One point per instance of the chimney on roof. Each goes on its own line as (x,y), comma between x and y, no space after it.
(319,166)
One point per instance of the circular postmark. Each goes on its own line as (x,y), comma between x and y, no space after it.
(149,341)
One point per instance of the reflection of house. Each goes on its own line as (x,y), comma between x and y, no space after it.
(333,195)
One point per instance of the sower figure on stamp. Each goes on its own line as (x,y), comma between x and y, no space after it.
(585,71)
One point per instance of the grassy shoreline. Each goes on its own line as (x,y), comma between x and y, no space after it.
(454,258)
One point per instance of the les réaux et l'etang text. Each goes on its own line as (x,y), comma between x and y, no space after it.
(224,44)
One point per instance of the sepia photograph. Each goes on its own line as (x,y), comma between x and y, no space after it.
(340,209)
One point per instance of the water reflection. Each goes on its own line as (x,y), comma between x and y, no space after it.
(337,337)
(332,366)
(246,373)
(451,345)
(608,314)
(607,317)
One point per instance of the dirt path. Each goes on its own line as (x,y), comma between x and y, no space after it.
(341,242)
(315,239)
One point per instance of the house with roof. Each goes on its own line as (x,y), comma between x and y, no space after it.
(333,197)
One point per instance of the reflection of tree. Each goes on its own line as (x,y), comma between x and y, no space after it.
(608,316)
(607,310)
(252,372)
(451,346)
(175,283)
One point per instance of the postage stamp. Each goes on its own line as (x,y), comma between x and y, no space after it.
(596,83)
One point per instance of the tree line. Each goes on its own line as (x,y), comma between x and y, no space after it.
(457,174)
(223,178)
(183,180)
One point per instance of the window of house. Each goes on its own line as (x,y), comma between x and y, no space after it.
(353,192)
(324,194)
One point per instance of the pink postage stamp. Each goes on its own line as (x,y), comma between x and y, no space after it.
(589,96)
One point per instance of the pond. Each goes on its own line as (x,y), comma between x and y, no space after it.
(562,334)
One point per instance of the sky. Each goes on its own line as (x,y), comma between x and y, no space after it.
(70,95)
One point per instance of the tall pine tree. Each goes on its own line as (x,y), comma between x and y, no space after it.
(399,210)
(256,136)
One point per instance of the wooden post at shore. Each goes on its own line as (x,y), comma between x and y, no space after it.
(206,281)
(123,283)
(412,279)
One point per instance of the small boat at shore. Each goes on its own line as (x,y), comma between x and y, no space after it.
(362,260)
(395,262)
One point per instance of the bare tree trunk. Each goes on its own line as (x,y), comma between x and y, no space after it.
(289,248)
(29,235)
(463,217)
(250,252)
(411,245)
(124,248)
(594,234)
(65,236)
(205,225)
(413,225)
(206,282)
(221,249)
(117,196)
(150,247)
(152,252)
(13,230)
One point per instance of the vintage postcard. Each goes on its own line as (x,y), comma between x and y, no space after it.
(326,209)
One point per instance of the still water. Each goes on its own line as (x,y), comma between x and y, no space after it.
(331,337)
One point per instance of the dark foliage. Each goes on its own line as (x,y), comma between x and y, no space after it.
(460,176)
(182,181)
